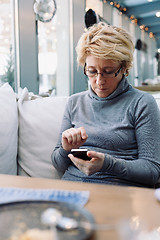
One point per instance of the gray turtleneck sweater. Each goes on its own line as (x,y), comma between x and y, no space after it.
(125,126)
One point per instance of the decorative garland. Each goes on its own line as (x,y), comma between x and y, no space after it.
(132,18)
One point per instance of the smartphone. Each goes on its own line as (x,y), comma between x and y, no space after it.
(80,153)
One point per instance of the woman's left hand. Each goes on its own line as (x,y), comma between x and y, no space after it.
(89,167)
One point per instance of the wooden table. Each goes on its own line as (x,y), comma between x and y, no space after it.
(108,204)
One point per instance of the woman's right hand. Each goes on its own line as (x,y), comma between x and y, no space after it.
(73,138)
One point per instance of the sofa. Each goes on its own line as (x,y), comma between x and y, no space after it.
(29,129)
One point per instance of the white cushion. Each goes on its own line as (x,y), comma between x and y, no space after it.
(39,126)
(8,130)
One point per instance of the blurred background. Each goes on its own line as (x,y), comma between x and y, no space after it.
(38,39)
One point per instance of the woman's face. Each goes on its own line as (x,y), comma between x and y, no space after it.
(111,74)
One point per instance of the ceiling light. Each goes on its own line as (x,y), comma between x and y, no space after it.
(157,14)
(149,0)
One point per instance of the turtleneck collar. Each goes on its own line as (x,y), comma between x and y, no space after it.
(122,87)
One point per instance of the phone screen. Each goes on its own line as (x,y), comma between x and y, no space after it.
(80,153)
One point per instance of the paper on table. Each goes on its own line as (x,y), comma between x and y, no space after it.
(8,195)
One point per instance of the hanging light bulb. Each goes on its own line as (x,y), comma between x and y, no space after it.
(44,10)
(142,27)
(151,35)
(118,5)
(157,14)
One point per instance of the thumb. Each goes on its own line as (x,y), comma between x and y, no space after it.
(93,154)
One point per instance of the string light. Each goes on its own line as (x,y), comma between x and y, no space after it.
(151,35)
(157,14)
(132,17)
(142,27)
(135,20)
(118,5)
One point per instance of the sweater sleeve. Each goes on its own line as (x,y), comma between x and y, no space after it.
(145,169)
(59,156)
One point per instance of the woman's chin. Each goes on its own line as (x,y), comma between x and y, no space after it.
(102,93)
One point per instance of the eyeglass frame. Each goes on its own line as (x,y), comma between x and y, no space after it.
(96,74)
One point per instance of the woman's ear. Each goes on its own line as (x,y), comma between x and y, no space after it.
(125,71)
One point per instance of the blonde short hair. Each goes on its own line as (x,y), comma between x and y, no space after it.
(107,42)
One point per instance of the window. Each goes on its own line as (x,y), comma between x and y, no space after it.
(6,43)
(47,55)
(95,5)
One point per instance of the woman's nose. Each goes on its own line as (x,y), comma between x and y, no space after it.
(100,79)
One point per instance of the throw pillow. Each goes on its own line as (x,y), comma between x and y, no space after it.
(39,126)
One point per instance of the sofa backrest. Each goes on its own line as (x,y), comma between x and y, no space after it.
(30,132)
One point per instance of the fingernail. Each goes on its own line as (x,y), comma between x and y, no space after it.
(85,136)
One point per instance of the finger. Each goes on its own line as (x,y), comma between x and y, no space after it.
(73,158)
(72,138)
(97,155)
(71,135)
(77,161)
(67,135)
(75,135)
(82,165)
(83,133)
(88,167)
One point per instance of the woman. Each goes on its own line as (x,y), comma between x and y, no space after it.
(119,124)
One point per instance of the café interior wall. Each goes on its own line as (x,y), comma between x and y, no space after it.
(79,80)
(144,61)
(148,58)
(64,56)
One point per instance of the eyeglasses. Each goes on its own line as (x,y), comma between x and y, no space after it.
(105,74)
